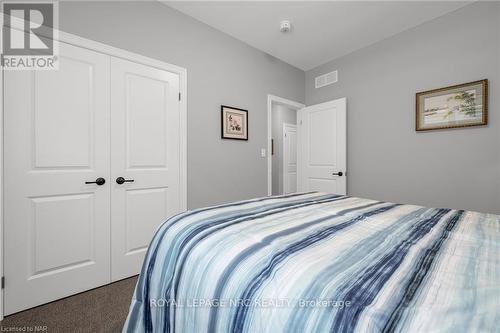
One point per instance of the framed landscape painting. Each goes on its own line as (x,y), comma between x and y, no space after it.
(234,123)
(462,105)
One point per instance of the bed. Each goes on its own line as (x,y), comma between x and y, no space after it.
(315,262)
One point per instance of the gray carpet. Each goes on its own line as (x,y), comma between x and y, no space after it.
(102,309)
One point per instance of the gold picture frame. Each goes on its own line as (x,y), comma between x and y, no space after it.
(461,105)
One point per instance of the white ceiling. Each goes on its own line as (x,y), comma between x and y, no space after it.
(321,31)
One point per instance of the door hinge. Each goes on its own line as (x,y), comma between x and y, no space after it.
(3,282)
(179,96)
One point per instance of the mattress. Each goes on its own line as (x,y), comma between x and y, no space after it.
(315,262)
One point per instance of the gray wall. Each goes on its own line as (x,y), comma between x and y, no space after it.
(221,70)
(387,159)
(280,115)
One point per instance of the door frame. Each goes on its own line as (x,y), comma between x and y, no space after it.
(285,126)
(123,54)
(271,100)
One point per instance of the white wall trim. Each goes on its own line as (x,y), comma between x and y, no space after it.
(271,100)
(126,55)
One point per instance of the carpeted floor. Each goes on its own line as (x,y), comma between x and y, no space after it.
(102,309)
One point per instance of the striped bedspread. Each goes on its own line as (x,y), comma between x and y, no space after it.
(320,263)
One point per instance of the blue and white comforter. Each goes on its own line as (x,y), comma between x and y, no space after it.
(320,263)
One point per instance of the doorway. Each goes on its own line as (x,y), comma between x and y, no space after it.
(307,146)
(282,145)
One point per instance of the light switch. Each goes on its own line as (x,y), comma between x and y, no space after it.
(262,152)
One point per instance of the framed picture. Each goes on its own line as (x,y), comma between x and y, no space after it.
(234,123)
(462,105)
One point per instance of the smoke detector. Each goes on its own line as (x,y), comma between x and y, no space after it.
(285,26)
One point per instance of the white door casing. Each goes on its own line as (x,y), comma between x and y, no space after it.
(322,147)
(289,158)
(56,132)
(145,149)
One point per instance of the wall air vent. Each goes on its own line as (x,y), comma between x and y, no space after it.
(326,79)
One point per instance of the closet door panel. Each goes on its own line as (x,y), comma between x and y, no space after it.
(145,153)
(57,228)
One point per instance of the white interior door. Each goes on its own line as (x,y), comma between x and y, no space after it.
(145,152)
(322,147)
(57,228)
(289,158)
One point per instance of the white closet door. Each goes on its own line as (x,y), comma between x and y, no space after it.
(289,158)
(57,228)
(145,152)
(322,147)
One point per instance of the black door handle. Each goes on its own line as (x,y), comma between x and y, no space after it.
(337,174)
(121,180)
(99,181)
